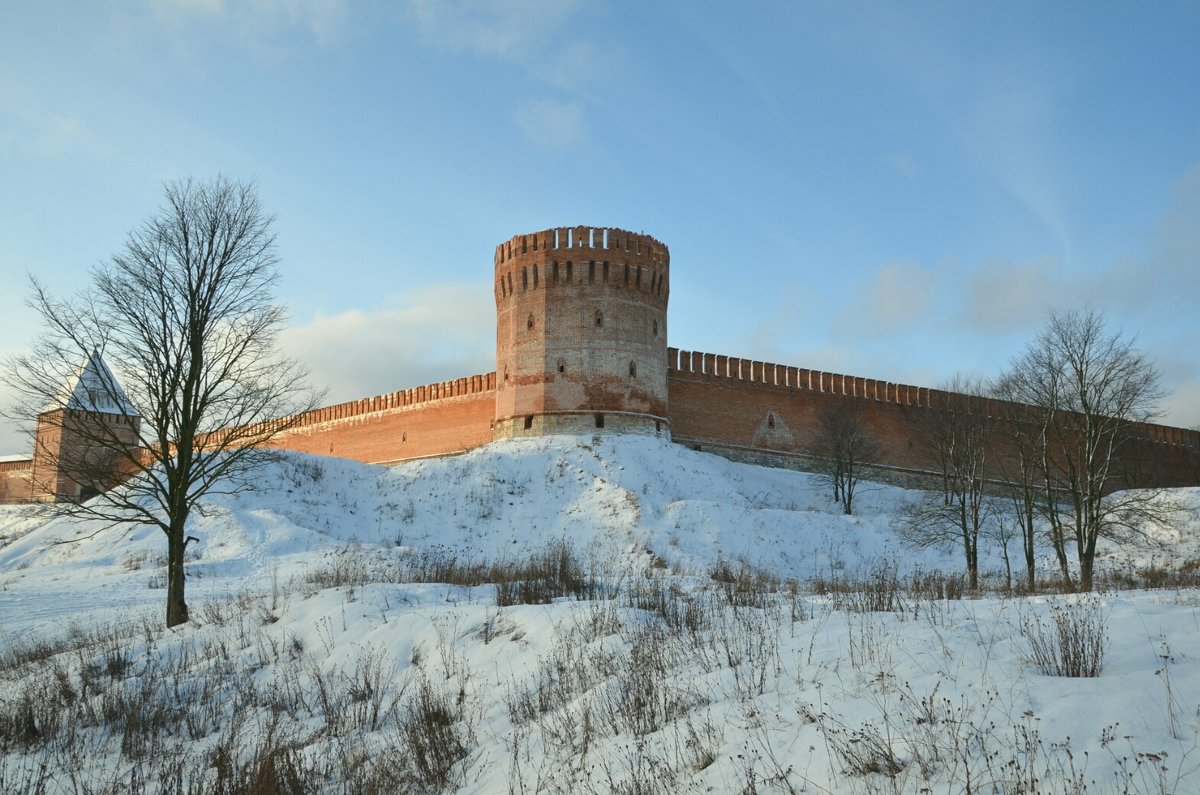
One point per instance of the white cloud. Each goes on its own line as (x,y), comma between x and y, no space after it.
(31,125)
(1005,296)
(431,334)
(573,64)
(903,165)
(507,29)
(536,35)
(780,328)
(550,123)
(1181,408)
(259,25)
(13,440)
(165,9)
(899,295)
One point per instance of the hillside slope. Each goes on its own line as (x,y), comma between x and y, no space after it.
(612,496)
(342,640)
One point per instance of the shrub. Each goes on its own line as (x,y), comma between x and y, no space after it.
(1071,643)
(876,591)
(543,578)
(745,586)
(431,735)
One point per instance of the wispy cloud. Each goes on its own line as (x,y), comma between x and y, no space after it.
(550,123)
(776,332)
(1008,296)
(898,294)
(1181,407)
(511,30)
(535,35)
(1014,129)
(261,26)
(1177,242)
(903,165)
(436,333)
(574,63)
(31,126)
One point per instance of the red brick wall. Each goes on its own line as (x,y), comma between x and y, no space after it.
(436,419)
(731,402)
(15,480)
(716,401)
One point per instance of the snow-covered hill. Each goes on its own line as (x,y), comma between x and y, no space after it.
(611,495)
(313,644)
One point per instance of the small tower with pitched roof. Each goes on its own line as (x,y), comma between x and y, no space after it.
(78,435)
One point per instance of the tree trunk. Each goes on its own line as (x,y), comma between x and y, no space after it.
(972,550)
(1087,564)
(1060,552)
(1008,584)
(1028,539)
(177,612)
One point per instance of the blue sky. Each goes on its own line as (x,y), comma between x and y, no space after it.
(893,190)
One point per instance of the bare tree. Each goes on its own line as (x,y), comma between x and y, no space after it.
(1089,388)
(185,315)
(957,434)
(845,447)
(1020,431)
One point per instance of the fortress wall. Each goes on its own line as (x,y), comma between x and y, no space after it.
(725,401)
(16,480)
(435,419)
(1168,457)
(581,331)
(756,407)
(404,398)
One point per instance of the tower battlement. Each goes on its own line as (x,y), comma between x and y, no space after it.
(592,238)
(581,324)
(582,254)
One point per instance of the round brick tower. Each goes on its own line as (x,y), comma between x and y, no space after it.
(581,333)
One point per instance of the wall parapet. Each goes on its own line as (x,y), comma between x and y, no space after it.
(717,366)
(709,365)
(18,465)
(1166,434)
(418,395)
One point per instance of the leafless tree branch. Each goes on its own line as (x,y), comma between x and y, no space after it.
(185,317)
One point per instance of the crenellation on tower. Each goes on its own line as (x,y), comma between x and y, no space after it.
(581,335)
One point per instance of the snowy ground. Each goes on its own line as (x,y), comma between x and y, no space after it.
(313,650)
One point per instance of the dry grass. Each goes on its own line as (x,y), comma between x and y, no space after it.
(233,707)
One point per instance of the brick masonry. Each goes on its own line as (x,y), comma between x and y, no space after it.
(16,480)
(767,413)
(581,329)
(440,426)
